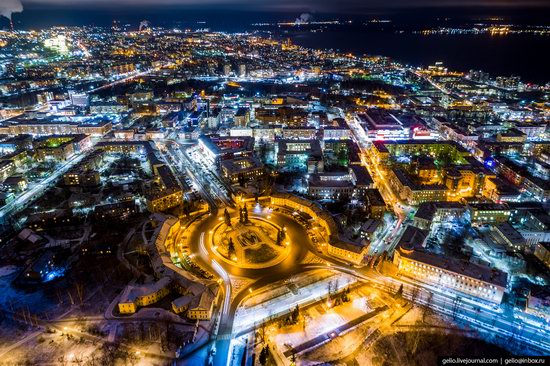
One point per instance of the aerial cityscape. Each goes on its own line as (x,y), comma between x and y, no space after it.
(294,183)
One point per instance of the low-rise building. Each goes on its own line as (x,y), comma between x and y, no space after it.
(429,213)
(242,117)
(244,168)
(542,252)
(198,297)
(82,178)
(538,187)
(348,251)
(337,129)
(168,194)
(337,246)
(464,277)
(538,302)
(16,183)
(7,168)
(217,149)
(498,190)
(489,213)
(202,306)
(371,229)
(300,155)
(301,133)
(330,185)
(115,211)
(134,297)
(375,203)
(509,236)
(415,193)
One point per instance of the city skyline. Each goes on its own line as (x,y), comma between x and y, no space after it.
(275,184)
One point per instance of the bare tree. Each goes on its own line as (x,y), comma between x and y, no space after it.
(329,288)
(262,331)
(70,296)
(427,307)
(414,294)
(80,292)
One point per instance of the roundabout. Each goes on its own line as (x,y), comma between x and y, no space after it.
(268,245)
(249,242)
(250,248)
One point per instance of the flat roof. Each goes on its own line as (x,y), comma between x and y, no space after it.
(349,246)
(460,267)
(510,233)
(362,175)
(375,197)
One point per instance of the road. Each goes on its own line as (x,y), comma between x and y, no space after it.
(477,314)
(469,310)
(205,181)
(130,76)
(198,240)
(401,210)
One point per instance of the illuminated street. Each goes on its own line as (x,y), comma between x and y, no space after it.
(237,183)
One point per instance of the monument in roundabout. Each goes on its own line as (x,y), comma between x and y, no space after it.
(249,242)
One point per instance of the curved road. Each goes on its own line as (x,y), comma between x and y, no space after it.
(300,245)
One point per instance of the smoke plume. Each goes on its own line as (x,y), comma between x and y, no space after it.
(8,7)
(304,18)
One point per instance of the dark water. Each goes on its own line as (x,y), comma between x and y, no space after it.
(523,55)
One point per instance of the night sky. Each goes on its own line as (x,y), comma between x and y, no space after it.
(330,6)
